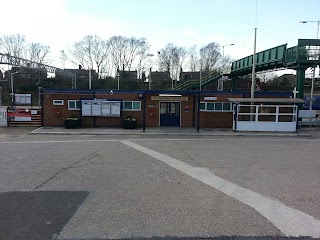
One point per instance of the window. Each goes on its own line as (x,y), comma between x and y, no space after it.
(132,105)
(216,106)
(74,104)
(202,106)
(58,102)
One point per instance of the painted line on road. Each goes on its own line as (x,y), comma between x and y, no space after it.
(62,141)
(290,221)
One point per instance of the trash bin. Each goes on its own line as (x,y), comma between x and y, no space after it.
(129,123)
(72,123)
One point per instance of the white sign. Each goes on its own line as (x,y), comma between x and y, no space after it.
(210,98)
(106,109)
(86,108)
(115,109)
(22,119)
(23,98)
(101,107)
(34,112)
(307,113)
(96,109)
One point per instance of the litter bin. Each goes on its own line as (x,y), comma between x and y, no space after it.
(129,123)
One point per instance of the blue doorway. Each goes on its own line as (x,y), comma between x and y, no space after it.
(170,114)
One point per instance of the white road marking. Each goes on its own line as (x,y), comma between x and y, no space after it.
(290,221)
(62,141)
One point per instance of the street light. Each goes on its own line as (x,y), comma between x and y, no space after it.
(0,96)
(314,68)
(118,75)
(315,22)
(220,82)
(149,76)
(12,94)
(39,99)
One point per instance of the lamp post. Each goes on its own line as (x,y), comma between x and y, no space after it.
(39,99)
(12,94)
(0,96)
(314,68)
(220,82)
(118,75)
(149,76)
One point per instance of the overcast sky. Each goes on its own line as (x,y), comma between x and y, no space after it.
(59,23)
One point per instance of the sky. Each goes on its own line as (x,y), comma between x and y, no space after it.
(60,23)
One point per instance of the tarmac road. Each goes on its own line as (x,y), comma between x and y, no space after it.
(120,187)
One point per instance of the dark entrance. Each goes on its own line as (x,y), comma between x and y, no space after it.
(170,114)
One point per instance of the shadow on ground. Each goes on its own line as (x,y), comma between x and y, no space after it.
(37,215)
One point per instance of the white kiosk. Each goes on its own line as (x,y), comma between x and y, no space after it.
(265,114)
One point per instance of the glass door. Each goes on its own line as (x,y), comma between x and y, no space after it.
(170,114)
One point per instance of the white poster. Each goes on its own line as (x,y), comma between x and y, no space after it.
(115,109)
(23,98)
(86,108)
(96,109)
(106,109)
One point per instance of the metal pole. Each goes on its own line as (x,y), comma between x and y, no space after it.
(172,84)
(11,90)
(0,96)
(200,76)
(253,76)
(149,80)
(89,78)
(312,87)
(118,75)
(221,83)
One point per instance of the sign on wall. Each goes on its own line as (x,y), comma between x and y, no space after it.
(169,98)
(101,108)
(210,98)
(22,98)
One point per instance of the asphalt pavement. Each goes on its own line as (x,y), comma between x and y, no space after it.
(158,186)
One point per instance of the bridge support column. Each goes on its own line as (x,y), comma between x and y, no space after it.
(300,81)
(234,85)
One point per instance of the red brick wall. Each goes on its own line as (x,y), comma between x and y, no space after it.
(55,115)
(153,114)
(217,119)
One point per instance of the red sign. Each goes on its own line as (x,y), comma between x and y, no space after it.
(19,113)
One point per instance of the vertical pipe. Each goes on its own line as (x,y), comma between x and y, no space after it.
(253,76)
(89,78)
(193,110)
(312,87)
(42,117)
(12,91)
(144,111)
(198,113)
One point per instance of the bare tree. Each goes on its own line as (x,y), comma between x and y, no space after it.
(172,60)
(89,51)
(125,51)
(38,53)
(209,56)
(266,76)
(193,59)
(13,44)
(100,51)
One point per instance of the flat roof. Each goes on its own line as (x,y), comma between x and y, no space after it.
(267,100)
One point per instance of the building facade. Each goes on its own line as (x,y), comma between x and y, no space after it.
(150,108)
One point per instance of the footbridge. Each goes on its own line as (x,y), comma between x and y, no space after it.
(300,58)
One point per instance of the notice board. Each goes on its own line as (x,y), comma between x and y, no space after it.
(101,108)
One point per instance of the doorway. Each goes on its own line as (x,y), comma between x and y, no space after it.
(170,114)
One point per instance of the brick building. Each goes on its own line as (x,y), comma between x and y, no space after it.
(150,108)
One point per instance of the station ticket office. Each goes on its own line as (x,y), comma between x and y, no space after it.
(150,108)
